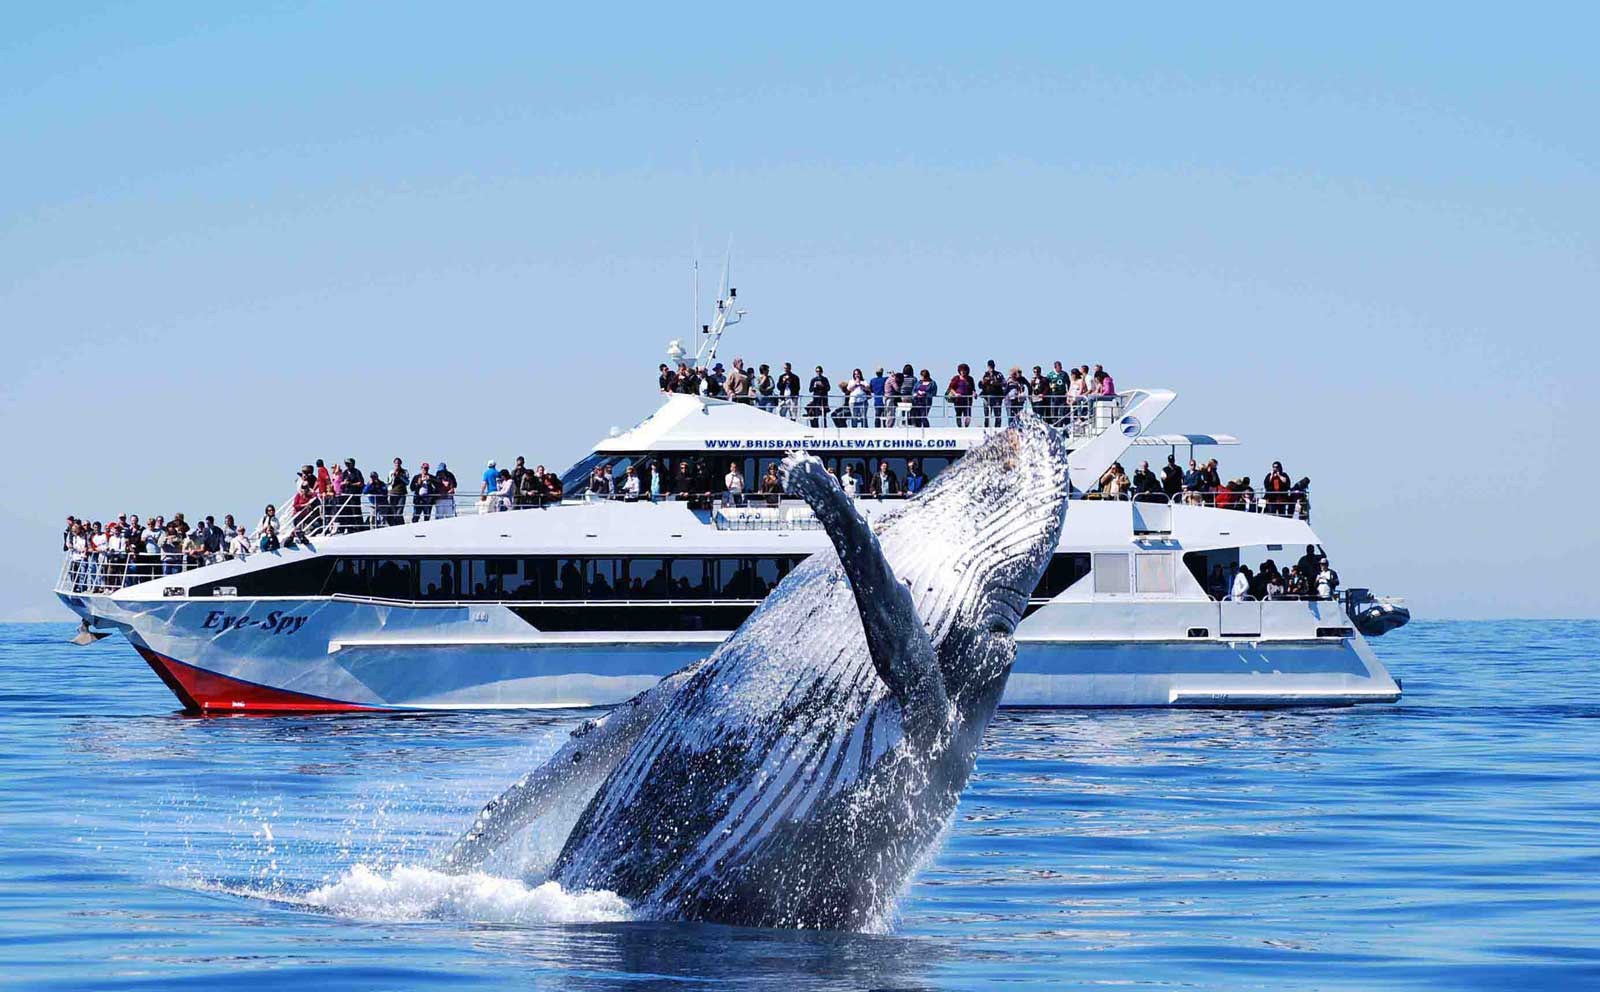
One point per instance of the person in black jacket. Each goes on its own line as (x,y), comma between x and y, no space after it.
(992,387)
(423,488)
(399,483)
(1146,487)
(350,499)
(885,482)
(817,409)
(1172,478)
(788,393)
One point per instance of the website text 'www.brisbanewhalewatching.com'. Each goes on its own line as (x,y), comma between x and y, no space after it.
(821,444)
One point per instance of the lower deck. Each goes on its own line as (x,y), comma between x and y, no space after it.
(333,654)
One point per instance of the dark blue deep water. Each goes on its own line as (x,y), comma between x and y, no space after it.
(1449,841)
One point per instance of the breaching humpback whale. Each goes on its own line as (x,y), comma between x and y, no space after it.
(798,776)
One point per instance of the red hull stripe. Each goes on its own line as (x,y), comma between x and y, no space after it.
(201,691)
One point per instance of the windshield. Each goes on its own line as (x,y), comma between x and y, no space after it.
(576,478)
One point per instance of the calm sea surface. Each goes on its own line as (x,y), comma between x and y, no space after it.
(1449,841)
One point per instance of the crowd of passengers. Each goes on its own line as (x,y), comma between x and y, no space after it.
(1202,485)
(1059,395)
(1309,578)
(698,478)
(128,550)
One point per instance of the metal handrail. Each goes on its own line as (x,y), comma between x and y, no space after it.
(1083,416)
(349,513)
(89,572)
(1295,504)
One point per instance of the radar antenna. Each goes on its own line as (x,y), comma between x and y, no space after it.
(728,314)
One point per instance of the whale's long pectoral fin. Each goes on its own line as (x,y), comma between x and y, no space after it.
(565,782)
(896,639)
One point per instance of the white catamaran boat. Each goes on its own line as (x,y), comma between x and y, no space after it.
(591,599)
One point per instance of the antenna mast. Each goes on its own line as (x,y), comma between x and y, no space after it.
(710,335)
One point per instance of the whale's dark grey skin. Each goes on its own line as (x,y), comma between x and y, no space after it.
(798,776)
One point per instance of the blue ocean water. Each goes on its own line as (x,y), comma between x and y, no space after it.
(1448,841)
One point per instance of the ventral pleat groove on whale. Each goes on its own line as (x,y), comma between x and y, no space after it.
(798,776)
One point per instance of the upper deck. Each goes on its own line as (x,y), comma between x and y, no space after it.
(1097,432)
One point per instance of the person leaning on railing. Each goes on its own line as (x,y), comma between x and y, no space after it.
(1146,487)
(1114,483)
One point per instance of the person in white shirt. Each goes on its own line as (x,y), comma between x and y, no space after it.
(734,481)
(849,482)
(630,485)
(1241,583)
(239,543)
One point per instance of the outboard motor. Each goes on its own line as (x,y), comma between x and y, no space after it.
(1373,615)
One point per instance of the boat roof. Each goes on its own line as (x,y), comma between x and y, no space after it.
(699,423)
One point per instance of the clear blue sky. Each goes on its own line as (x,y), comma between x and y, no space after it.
(1364,240)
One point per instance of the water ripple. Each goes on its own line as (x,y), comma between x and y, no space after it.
(1445,842)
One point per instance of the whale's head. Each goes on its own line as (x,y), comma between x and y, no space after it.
(973,547)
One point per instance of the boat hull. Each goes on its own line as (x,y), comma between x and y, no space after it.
(329,655)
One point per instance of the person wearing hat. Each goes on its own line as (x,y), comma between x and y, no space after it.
(877,384)
(715,380)
(491,480)
(444,504)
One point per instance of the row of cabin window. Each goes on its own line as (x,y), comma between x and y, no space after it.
(553,578)
(521,578)
(707,473)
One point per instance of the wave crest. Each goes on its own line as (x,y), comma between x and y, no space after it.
(409,892)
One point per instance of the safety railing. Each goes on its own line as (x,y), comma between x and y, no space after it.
(1295,504)
(345,514)
(1081,416)
(101,572)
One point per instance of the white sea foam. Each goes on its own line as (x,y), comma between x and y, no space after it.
(410,892)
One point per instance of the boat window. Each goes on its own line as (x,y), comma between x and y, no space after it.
(659,616)
(305,577)
(601,575)
(688,578)
(350,577)
(530,578)
(647,577)
(495,573)
(393,578)
(1153,573)
(1111,573)
(733,579)
(569,579)
(1065,569)
(475,578)
(769,572)
(437,578)
(576,478)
